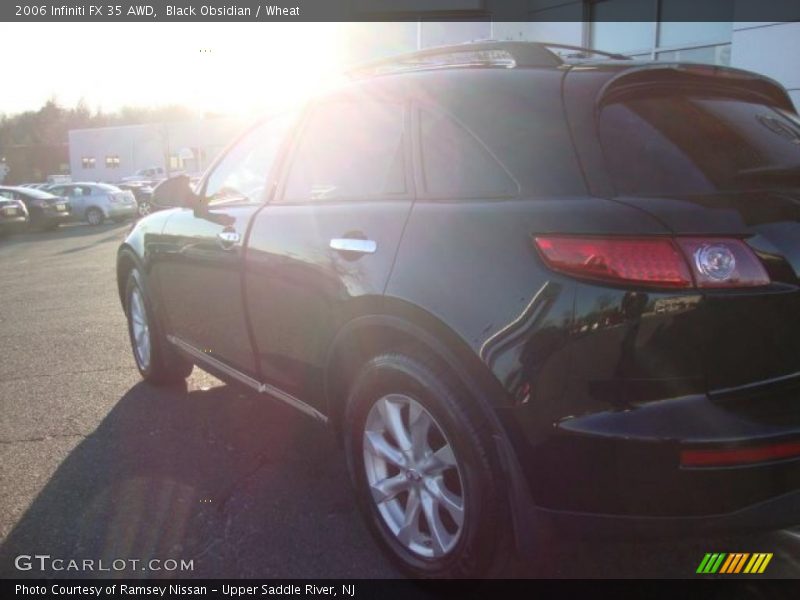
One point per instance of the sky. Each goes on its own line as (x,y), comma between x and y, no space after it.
(209,67)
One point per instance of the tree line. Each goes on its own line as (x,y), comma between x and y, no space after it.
(49,125)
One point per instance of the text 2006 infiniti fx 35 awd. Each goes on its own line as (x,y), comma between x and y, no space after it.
(529,292)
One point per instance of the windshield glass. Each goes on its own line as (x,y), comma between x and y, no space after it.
(695,144)
(34,193)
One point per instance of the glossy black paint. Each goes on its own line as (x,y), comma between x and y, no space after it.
(591,389)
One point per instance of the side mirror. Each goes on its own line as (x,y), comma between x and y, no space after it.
(175,192)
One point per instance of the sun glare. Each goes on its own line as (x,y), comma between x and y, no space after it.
(231,68)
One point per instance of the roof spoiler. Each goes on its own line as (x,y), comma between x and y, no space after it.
(667,73)
(488,54)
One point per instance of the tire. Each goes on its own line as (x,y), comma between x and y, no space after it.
(160,364)
(95,216)
(144,208)
(457,489)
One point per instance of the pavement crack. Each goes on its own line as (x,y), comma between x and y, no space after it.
(44,438)
(240,482)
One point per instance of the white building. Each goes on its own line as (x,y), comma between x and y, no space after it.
(772,49)
(111,153)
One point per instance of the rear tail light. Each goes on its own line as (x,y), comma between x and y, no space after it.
(655,262)
(642,261)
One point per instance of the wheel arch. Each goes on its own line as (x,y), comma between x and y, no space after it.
(127,260)
(398,324)
(97,207)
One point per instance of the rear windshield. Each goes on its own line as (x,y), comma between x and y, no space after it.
(34,193)
(696,144)
(104,187)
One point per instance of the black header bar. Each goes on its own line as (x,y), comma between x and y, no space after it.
(396,10)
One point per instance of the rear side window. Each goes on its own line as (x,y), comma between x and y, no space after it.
(518,117)
(349,150)
(455,163)
(668,144)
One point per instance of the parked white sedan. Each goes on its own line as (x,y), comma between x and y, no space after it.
(96,202)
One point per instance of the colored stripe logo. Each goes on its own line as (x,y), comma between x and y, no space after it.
(734,563)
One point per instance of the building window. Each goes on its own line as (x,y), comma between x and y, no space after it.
(653,35)
(87,162)
(175,163)
(112,162)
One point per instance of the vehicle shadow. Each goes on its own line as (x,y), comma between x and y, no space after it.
(233,481)
(243,486)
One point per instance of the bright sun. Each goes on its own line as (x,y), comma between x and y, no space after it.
(238,68)
(258,68)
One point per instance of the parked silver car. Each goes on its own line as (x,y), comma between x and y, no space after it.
(96,202)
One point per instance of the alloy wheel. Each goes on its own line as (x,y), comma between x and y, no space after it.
(140,329)
(414,476)
(93,217)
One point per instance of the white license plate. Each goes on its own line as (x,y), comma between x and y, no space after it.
(61,207)
(10,210)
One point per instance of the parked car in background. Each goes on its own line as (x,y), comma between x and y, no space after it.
(46,210)
(147,174)
(96,202)
(13,216)
(143,192)
(37,186)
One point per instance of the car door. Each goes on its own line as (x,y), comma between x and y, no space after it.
(201,250)
(328,238)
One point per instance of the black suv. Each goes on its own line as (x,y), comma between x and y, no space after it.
(532,289)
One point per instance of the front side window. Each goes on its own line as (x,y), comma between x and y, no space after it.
(350,150)
(456,165)
(241,176)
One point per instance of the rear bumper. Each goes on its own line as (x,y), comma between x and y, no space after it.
(56,216)
(619,472)
(13,224)
(772,514)
(121,211)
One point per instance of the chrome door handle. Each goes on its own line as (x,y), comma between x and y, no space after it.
(356,245)
(228,238)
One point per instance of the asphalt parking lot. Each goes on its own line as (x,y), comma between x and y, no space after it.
(95,464)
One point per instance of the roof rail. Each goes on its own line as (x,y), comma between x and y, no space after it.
(580,52)
(489,53)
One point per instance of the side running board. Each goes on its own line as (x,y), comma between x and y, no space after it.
(262,388)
